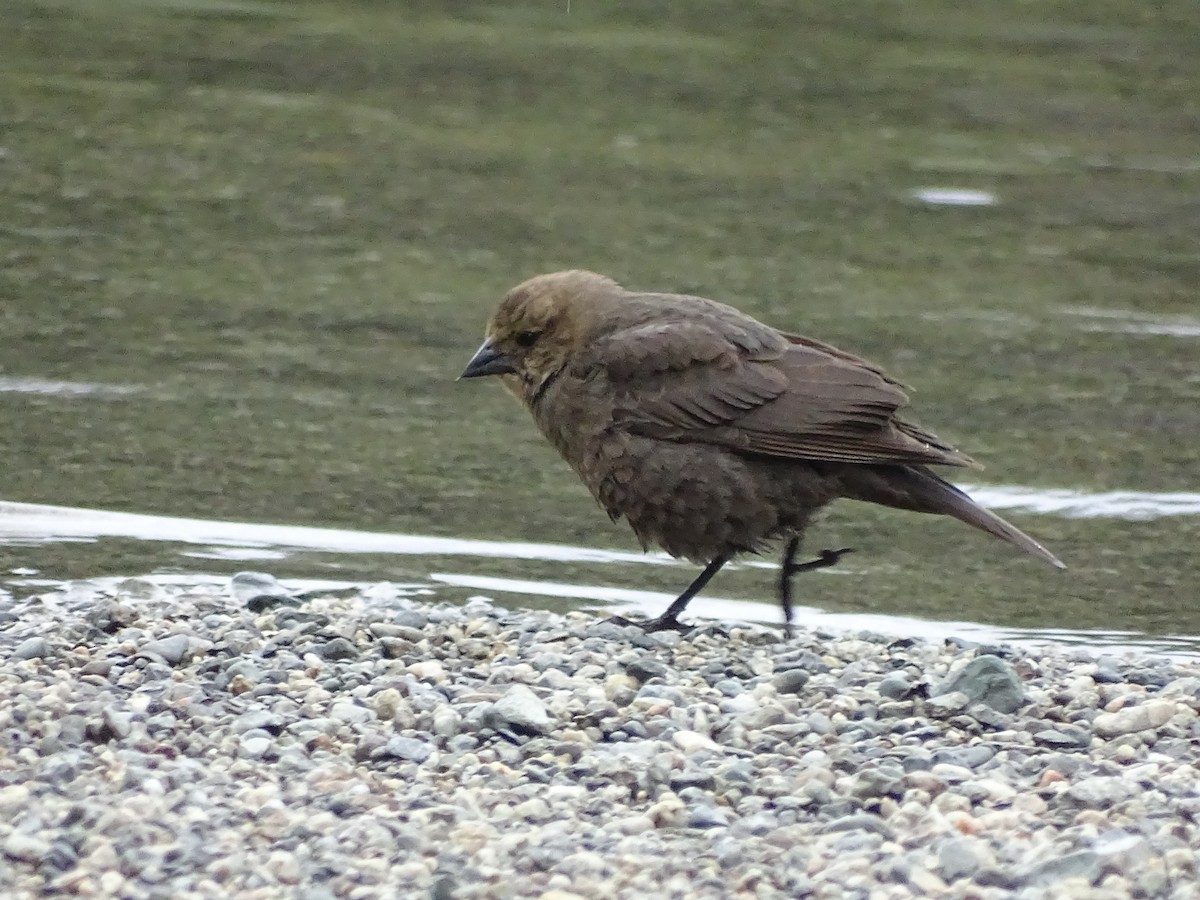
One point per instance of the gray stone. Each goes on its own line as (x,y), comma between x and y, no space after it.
(446,722)
(246,668)
(1067,763)
(112,724)
(1085,864)
(254,745)
(520,710)
(739,773)
(1144,717)
(394,648)
(111,616)
(948,704)
(860,821)
(261,719)
(917,760)
(693,778)
(643,668)
(36,647)
(1100,792)
(23,847)
(351,713)
(259,591)
(895,686)
(958,858)
(878,781)
(819,723)
(411,618)
(171,650)
(988,680)
(118,722)
(992,718)
(802,659)
(1063,737)
(101,667)
(892,869)
(1123,849)
(408,748)
(611,631)
(338,648)
(997,876)
(384,629)
(706,816)
(969,757)
(729,687)
(72,729)
(791,681)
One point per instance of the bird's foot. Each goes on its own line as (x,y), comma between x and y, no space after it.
(788,568)
(662,623)
(824,560)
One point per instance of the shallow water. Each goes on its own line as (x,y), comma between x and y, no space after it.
(177,542)
(245,250)
(1124,321)
(27,385)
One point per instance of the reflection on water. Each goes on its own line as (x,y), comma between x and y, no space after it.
(1123,321)
(22,523)
(1134,506)
(35,523)
(954,197)
(12,384)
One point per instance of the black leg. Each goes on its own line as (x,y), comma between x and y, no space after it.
(790,567)
(670,619)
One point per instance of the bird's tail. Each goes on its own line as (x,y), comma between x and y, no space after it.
(919,489)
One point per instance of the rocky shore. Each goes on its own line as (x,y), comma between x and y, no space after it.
(175,742)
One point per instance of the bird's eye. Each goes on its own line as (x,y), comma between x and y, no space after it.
(527,338)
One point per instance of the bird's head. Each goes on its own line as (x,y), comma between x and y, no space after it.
(538,326)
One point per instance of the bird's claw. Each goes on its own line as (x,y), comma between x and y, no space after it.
(662,623)
(824,560)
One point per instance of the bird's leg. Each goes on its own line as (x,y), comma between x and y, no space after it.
(669,621)
(790,567)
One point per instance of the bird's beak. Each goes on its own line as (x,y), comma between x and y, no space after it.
(487,361)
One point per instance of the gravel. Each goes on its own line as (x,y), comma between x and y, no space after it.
(178,742)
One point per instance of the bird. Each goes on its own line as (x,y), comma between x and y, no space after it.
(709,432)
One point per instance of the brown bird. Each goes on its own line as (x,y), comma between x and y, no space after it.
(711,433)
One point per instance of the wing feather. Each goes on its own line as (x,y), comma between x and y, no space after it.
(724,378)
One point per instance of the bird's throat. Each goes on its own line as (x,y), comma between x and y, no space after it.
(540,391)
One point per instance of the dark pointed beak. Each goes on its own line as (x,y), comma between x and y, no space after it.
(487,361)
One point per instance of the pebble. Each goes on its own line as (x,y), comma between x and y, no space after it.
(1133,719)
(32,648)
(259,591)
(28,848)
(521,710)
(253,746)
(895,686)
(961,858)
(407,748)
(338,648)
(169,741)
(171,649)
(988,680)
(790,681)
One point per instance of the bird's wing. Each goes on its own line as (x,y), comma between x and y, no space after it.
(759,391)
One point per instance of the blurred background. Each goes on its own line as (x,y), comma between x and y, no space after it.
(246,248)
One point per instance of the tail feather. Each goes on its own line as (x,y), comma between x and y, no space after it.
(918,488)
